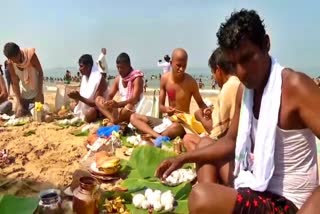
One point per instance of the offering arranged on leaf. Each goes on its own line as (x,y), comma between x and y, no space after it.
(76,121)
(106,165)
(116,205)
(17,121)
(180,176)
(154,200)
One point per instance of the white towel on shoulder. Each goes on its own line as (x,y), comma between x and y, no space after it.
(256,173)
(88,89)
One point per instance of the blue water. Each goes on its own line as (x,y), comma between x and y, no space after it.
(197,73)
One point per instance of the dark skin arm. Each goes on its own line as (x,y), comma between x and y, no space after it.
(162,96)
(223,149)
(3,90)
(16,89)
(114,88)
(36,63)
(306,95)
(137,91)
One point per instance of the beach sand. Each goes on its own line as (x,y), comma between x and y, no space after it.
(46,159)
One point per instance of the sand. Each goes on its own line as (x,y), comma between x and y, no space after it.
(46,159)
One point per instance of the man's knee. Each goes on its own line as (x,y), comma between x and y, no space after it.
(98,100)
(178,128)
(90,115)
(133,118)
(197,199)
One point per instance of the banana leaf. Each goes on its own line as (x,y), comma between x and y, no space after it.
(146,159)
(11,204)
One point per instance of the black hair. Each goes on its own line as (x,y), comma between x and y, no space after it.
(166,58)
(218,58)
(242,24)
(123,58)
(11,50)
(86,59)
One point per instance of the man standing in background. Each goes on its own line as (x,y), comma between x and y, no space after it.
(102,62)
(166,66)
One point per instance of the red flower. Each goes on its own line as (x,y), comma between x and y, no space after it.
(255,203)
(239,198)
(247,203)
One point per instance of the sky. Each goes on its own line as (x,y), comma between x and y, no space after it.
(63,30)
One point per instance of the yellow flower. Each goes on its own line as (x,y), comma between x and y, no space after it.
(38,106)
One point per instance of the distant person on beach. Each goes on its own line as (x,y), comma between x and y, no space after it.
(145,85)
(180,88)
(129,84)
(92,85)
(5,104)
(7,75)
(223,111)
(271,138)
(25,72)
(166,67)
(201,85)
(68,77)
(102,62)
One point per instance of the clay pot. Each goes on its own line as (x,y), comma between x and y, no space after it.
(85,201)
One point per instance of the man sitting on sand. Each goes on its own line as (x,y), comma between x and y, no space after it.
(5,104)
(180,88)
(129,84)
(92,86)
(271,137)
(223,73)
(24,68)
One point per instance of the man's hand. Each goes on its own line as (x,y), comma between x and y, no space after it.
(19,111)
(168,166)
(111,104)
(170,110)
(74,95)
(207,112)
(40,97)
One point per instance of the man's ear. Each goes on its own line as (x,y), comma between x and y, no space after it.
(266,43)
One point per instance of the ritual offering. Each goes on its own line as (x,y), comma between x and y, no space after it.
(154,200)
(180,176)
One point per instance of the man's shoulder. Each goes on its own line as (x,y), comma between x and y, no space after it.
(190,79)
(292,79)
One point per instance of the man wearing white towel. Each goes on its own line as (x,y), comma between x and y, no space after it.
(92,86)
(272,137)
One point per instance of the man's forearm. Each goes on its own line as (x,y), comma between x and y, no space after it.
(163,109)
(90,103)
(40,88)
(16,91)
(223,149)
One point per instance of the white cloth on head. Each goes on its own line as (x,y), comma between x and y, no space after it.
(165,66)
(256,174)
(88,89)
(103,62)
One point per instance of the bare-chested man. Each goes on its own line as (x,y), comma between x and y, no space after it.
(129,84)
(180,88)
